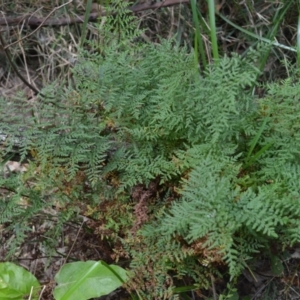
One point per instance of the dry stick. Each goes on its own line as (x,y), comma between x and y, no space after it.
(34,21)
(71,249)
(42,291)
(43,21)
(12,64)
(15,68)
(25,64)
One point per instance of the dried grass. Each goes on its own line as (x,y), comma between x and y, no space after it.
(48,54)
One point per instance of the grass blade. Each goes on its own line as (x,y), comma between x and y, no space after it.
(250,159)
(86,19)
(213,31)
(268,41)
(198,43)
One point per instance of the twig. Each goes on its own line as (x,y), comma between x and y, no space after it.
(34,21)
(65,260)
(25,64)
(12,64)
(42,291)
(35,30)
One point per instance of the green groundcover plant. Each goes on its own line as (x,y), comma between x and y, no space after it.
(208,171)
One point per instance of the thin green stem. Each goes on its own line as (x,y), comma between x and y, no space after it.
(86,19)
(268,41)
(213,31)
(198,43)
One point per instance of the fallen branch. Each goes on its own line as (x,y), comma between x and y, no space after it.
(42,22)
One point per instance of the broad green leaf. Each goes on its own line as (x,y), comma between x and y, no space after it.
(85,280)
(17,283)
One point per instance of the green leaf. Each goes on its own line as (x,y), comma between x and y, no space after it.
(256,138)
(258,154)
(234,296)
(276,266)
(17,283)
(85,280)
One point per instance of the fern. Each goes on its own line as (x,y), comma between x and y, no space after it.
(227,163)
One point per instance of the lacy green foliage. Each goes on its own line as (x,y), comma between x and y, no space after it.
(138,113)
(160,105)
(66,142)
(214,206)
(241,211)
